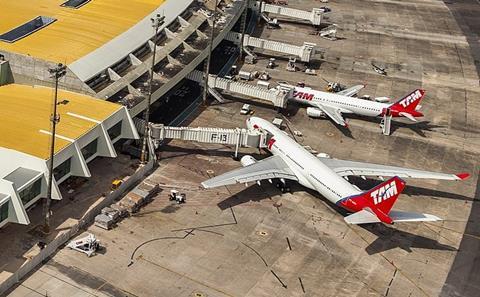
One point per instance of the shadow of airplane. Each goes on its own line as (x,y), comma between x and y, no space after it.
(345,131)
(387,237)
(257,193)
(390,238)
(417,127)
(252,193)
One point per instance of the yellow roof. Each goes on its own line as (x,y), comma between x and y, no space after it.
(76,32)
(25,110)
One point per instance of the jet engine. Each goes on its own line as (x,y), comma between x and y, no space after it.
(314,112)
(247,160)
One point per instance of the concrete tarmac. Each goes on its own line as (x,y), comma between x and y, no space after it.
(256,241)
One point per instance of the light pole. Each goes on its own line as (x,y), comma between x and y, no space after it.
(57,72)
(209,57)
(244,28)
(157,21)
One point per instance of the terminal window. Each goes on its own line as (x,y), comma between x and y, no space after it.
(26,29)
(115,131)
(90,149)
(3,212)
(31,192)
(62,169)
(75,3)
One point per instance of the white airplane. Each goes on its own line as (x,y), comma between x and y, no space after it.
(291,161)
(333,105)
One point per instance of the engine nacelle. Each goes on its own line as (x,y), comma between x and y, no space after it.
(247,160)
(314,112)
(382,99)
(323,155)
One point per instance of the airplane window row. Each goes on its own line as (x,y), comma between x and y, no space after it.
(295,162)
(327,187)
(357,106)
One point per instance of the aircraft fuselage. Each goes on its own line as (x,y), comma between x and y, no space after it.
(309,169)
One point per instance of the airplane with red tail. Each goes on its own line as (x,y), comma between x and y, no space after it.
(291,161)
(334,105)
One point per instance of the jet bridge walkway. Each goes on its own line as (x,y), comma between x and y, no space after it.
(314,16)
(305,52)
(237,137)
(278,98)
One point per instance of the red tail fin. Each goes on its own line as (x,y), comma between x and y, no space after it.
(379,200)
(408,103)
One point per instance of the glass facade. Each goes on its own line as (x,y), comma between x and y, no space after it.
(90,149)
(115,131)
(31,192)
(62,169)
(4,212)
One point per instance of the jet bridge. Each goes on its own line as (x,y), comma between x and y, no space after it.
(305,52)
(278,98)
(314,16)
(237,137)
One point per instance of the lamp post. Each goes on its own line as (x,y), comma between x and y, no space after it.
(57,72)
(157,21)
(209,57)
(244,28)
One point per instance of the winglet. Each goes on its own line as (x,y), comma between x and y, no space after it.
(463,176)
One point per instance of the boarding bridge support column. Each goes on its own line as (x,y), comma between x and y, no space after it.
(386,123)
(304,52)
(314,16)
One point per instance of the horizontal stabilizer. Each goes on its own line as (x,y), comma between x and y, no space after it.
(365,217)
(403,216)
(408,116)
(362,217)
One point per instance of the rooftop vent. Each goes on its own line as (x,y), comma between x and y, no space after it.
(26,29)
(75,3)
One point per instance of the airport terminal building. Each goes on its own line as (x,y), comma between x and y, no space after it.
(107,46)
(88,128)
(108,49)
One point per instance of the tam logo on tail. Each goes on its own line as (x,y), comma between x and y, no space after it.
(384,192)
(411,98)
(378,201)
(408,104)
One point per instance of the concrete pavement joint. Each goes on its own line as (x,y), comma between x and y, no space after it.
(187,277)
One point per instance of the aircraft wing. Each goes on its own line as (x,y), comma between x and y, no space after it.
(349,168)
(352,91)
(269,168)
(334,113)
